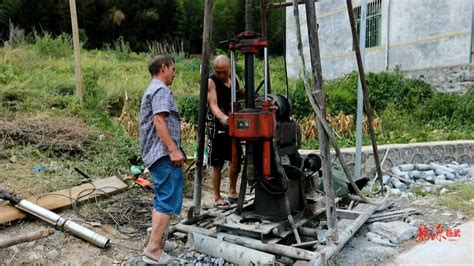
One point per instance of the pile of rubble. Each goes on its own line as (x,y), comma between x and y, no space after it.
(430,177)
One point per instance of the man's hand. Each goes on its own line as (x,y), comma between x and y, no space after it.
(224,120)
(177,158)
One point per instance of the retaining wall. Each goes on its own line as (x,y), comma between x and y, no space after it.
(461,151)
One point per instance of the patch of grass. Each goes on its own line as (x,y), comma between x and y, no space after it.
(461,198)
(420,192)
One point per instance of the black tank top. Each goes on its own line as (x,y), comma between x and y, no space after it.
(224,96)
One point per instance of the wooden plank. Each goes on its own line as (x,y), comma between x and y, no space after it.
(62,198)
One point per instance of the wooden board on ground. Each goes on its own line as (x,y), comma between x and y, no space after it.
(63,198)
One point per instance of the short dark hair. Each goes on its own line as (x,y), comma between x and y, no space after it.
(158,61)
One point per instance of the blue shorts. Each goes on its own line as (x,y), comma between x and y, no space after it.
(168,185)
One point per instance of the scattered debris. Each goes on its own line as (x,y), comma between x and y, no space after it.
(379,239)
(64,135)
(393,215)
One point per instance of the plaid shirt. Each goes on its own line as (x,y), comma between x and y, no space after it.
(157,99)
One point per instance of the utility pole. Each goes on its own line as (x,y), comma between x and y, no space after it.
(77,50)
(206,53)
(360,95)
(363,82)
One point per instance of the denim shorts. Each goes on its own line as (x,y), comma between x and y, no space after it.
(168,186)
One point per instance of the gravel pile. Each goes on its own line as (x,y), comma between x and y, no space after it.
(429,177)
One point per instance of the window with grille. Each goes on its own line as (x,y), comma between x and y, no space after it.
(373,23)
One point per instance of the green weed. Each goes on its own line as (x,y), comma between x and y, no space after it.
(461,198)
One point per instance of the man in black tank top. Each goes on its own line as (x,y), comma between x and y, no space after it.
(219,143)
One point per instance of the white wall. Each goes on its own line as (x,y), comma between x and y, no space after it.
(421,34)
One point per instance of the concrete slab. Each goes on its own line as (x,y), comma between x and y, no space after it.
(444,252)
(396,231)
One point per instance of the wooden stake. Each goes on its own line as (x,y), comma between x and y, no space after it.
(77,50)
(322,135)
(313,39)
(206,53)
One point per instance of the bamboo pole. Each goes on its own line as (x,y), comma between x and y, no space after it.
(77,50)
(18,239)
(206,53)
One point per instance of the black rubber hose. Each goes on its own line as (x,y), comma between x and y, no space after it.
(8,197)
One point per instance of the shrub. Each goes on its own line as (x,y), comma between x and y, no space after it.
(383,88)
(188,107)
(56,47)
(301,107)
(464,109)
(341,95)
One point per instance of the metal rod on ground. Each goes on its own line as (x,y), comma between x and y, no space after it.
(31,236)
(250,243)
(346,235)
(319,95)
(360,95)
(77,49)
(368,109)
(206,53)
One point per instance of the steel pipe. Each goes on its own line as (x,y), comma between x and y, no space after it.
(63,224)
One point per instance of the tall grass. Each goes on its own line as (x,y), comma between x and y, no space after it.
(39,77)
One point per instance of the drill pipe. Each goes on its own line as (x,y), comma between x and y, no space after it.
(57,221)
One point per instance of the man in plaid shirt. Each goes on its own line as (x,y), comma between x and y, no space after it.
(160,139)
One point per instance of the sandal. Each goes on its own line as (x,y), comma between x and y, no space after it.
(233,200)
(224,205)
(165,259)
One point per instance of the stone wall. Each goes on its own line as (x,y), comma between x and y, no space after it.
(457,79)
(443,152)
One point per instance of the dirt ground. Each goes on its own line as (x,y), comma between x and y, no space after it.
(63,248)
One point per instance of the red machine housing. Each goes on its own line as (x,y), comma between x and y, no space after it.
(254,126)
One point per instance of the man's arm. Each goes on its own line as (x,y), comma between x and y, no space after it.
(176,156)
(212,101)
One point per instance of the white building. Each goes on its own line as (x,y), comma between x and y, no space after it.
(428,39)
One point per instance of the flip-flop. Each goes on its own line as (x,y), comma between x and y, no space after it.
(165,259)
(224,205)
(233,200)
